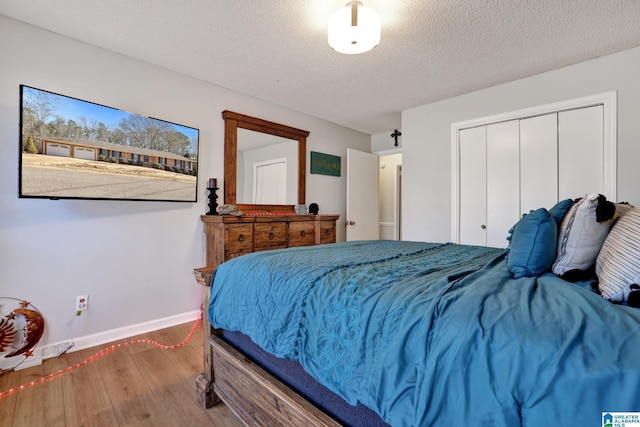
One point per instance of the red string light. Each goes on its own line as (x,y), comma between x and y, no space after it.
(99,355)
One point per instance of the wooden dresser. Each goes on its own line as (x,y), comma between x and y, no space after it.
(227,237)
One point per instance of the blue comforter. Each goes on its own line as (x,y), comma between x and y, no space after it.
(436,334)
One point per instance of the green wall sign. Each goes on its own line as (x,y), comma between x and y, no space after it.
(325,164)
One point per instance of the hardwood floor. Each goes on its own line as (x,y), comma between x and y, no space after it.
(134,385)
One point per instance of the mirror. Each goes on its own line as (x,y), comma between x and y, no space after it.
(266,169)
(246,142)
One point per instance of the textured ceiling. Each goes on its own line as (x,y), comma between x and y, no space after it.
(277,51)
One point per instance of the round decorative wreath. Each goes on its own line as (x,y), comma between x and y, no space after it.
(21,327)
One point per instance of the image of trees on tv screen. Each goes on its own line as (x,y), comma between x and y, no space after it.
(78,149)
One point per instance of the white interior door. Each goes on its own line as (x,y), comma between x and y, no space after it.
(503,181)
(362,196)
(270,185)
(539,168)
(581,149)
(473,186)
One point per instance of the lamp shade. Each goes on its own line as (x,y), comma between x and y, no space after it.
(354,29)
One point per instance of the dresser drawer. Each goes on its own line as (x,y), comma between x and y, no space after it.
(302,233)
(270,235)
(239,239)
(228,237)
(327,232)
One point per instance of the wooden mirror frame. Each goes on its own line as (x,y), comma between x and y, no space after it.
(233,121)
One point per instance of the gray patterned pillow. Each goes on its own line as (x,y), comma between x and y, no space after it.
(618,263)
(581,236)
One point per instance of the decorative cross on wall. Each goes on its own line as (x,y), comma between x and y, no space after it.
(395,136)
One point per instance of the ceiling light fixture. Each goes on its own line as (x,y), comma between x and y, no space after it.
(354,29)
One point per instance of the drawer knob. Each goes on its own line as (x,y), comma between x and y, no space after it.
(241,238)
(271,236)
(327,232)
(303,233)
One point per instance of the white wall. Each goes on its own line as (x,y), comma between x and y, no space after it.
(426,133)
(134,259)
(384,143)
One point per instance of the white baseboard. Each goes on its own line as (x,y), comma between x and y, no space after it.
(87,341)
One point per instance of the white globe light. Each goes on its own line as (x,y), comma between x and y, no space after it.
(354,29)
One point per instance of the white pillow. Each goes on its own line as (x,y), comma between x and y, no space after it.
(618,264)
(581,236)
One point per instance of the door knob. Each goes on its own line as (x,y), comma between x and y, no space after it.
(483,226)
(349,223)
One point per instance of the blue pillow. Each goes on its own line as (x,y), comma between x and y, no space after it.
(561,208)
(532,247)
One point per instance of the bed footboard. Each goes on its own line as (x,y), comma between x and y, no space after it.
(204,385)
(255,396)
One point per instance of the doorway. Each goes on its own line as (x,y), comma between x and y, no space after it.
(390,188)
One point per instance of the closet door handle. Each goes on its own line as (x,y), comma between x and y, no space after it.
(484,227)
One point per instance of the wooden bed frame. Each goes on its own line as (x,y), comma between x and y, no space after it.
(254,395)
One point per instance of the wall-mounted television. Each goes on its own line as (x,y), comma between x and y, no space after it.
(75,149)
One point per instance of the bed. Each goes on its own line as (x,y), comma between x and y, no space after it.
(417,334)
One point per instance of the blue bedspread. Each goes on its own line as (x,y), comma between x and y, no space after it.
(436,334)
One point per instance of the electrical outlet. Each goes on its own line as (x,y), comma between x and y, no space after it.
(82,302)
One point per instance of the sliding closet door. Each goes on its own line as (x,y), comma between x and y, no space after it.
(503,181)
(489,183)
(539,162)
(534,158)
(473,186)
(580,152)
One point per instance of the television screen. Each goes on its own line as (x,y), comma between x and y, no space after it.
(74,149)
